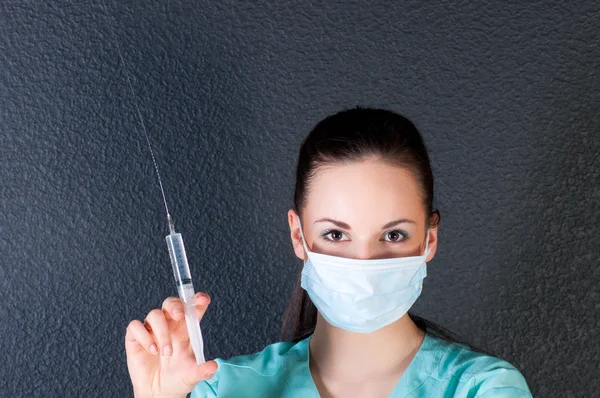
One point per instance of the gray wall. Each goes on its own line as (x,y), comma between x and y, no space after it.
(506,96)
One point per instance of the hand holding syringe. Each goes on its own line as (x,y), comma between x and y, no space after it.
(165,353)
(160,357)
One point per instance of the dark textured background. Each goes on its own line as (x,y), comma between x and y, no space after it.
(506,95)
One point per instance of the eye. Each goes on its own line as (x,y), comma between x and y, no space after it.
(333,235)
(395,236)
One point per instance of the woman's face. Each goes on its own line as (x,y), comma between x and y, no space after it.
(363,210)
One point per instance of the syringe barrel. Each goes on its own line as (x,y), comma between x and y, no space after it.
(181,269)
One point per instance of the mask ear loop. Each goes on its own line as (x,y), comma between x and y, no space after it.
(302,236)
(427,243)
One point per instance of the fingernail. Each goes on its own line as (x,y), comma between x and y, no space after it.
(153,349)
(167,350)
(177,311)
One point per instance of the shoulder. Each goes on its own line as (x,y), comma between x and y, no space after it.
(259,371)
(476,374)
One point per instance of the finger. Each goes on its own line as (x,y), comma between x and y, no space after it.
(157,323)
(173,308)
(138,338)
(201,302)
(180,336)
(198,373)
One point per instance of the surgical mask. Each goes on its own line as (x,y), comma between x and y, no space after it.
(363,296)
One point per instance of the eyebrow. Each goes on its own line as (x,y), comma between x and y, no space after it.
(342,224)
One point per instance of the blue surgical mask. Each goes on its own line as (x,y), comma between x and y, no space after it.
(362,295)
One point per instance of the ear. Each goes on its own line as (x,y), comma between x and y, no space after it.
(295,235)
(433,243)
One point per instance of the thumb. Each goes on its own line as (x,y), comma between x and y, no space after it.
(198,373)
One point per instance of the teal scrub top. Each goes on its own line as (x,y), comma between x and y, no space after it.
(439,369)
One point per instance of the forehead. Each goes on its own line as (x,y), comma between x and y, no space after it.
(371,189)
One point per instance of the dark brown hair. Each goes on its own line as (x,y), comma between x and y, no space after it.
(350,136)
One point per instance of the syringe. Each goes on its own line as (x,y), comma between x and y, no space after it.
(185,289)
(181,270)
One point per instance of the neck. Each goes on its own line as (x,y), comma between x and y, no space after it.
(336,353)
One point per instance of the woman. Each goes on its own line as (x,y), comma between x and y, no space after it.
(364,225)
